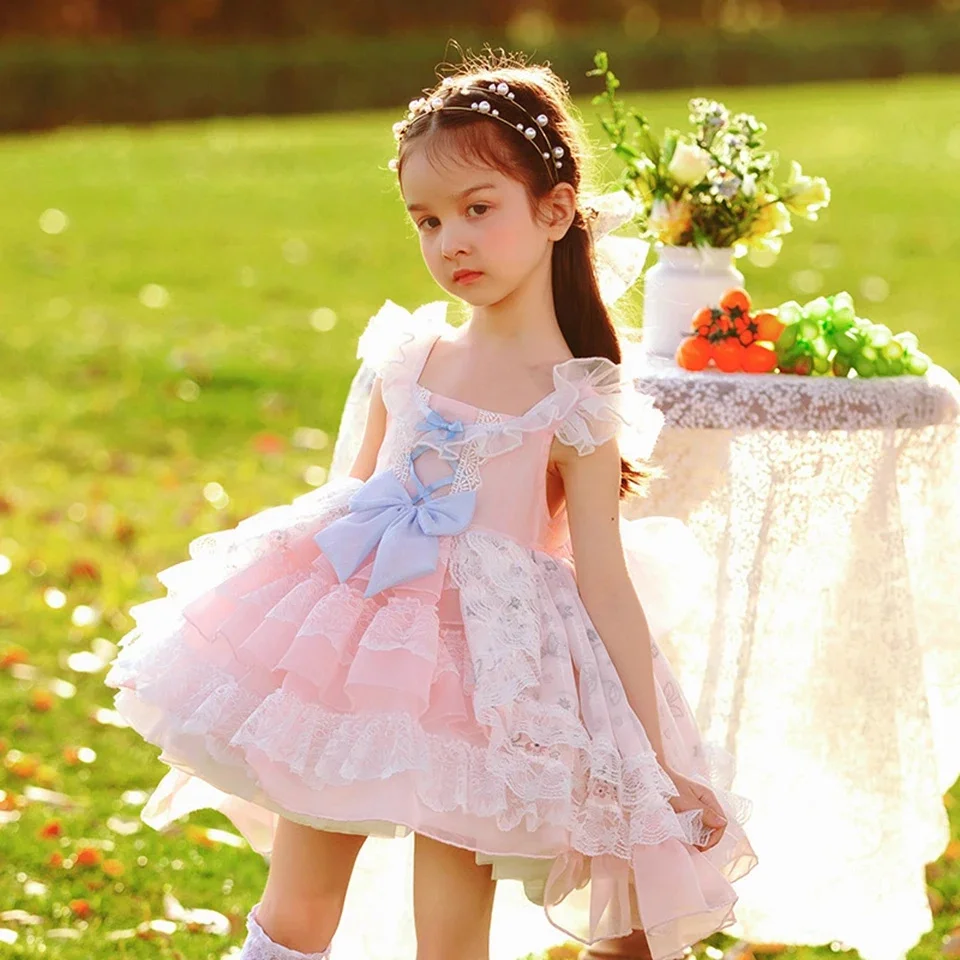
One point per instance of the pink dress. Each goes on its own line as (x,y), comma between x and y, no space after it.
(412,653)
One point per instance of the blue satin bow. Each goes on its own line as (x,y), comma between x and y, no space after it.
(402,528)
(433,421)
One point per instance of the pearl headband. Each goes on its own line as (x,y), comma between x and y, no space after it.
(417,109)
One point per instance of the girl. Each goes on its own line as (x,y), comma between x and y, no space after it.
(450,640)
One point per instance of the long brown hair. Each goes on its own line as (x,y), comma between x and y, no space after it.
(584,320)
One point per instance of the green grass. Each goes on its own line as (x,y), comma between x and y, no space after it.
(114,415)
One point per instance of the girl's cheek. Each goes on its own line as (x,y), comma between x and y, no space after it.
(497,235)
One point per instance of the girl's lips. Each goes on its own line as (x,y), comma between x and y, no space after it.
(466,276)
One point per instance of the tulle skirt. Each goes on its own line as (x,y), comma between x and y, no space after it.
(476,705)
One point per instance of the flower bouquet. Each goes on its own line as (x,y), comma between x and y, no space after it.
(715,186)
(706,197)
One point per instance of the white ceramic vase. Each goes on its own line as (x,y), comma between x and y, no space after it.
(682,281)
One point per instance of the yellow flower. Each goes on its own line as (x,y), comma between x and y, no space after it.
(805,195)
(670,219)
(773,219)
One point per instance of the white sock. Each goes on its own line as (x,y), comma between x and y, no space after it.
(259,946)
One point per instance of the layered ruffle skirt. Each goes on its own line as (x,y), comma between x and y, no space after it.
(476,705)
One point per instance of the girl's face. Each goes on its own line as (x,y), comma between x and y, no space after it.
(478,234)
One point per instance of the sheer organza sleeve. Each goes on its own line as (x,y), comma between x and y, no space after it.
(392,327)
(381,348)
(602,403)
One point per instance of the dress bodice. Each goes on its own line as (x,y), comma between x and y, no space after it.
(453,447)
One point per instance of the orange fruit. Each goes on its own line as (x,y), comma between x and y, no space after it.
(759,359)
(693,353)
(769,327)
(728,355)
(736,302)
(746,337)
(703,317)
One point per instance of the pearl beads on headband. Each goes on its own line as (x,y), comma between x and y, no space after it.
(423,106)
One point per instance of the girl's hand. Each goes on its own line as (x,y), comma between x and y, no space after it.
(694,795)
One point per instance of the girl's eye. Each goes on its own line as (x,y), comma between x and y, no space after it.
(427,223)
(482,208)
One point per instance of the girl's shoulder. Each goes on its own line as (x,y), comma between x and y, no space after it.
(394,334)
(593,399)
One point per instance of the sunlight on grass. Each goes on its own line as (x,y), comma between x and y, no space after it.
(179,309)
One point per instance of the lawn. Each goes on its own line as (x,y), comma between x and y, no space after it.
(179,308)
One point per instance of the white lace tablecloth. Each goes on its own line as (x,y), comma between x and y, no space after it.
(824,649)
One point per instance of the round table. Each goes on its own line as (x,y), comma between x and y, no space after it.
(823,647)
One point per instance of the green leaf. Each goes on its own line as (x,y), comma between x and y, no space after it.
(670,145)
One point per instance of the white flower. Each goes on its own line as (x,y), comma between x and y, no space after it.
(670,219)
(804,195)
(749,187)
(689,165)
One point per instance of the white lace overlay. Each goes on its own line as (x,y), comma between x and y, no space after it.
(824,647)
(562,751)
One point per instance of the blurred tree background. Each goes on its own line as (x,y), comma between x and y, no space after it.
(116,61)
(288,19)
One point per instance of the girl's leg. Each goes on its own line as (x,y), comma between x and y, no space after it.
(306,886)
(452,902)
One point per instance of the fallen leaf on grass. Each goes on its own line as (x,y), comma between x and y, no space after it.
(109,718)
(20,764)
(149,929)
(41,700)
(53,798)
(52,828)
(197,920)
(11,655)
(88,857)
(225,836)
(83,570)
(20,916)
(81,908)
(211,836)
(124,827)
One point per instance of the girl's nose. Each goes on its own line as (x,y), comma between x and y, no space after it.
(453,244)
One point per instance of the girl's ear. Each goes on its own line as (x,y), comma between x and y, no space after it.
(559,209)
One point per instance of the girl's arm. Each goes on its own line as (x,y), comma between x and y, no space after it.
(592,487)
(373,433)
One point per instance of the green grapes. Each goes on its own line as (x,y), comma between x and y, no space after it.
(826,337)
